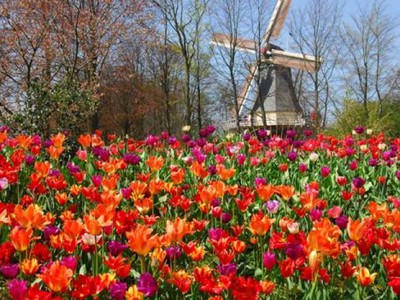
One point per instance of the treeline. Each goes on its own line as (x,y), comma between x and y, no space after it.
(138,67)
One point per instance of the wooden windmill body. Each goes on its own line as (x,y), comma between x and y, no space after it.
(270,79)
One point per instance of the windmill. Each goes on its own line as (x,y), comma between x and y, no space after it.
(270,79)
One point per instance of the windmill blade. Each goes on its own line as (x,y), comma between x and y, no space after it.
(243,95)
(277,20)
(307,63)
(227,41)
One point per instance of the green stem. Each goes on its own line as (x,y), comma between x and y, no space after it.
(142,264)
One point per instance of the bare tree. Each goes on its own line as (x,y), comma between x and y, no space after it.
(184,17)
(368,41)
(230,17)
(314,29)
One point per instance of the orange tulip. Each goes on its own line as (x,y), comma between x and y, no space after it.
(144,205)
(267,287)
(92,225)
(265,192)
(225,173)
(57,277)
(61,198)
(155,186)
(178,176)
(84,140)
(260,224)
(357,228)
(58,140)
(181,280)
(364,277)
(42,168)
(323,237)
(198,170)
(55,152)
(141,241)
(29,266)
(32,216)
(21,237)
(178,229)
(197,253)
(138,189)
(155,163)
(73,228)
(285,191)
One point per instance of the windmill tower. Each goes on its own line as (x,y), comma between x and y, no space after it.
(270,79)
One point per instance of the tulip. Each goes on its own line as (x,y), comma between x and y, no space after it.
(117,290)
(325,171)
(147,285)
(364,277)
(18,289)
(269,260)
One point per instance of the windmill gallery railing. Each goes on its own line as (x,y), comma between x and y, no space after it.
(273,120)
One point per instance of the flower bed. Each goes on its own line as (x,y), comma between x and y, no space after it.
(244,217)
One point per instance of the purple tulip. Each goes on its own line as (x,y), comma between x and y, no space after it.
(226,217)
(292,156)
(269,260)
(173,252)
(272,206)
(261,134)
(342,221)
(18,289)
(315,214)
(373,162)
(131,159)
(210,129)
(260,181)
(294,251)
(358,182)
(147,285)
(246,136)
(172,140)
(359,129)
(186,138)
(325,171)
(241,159)
(48,231)
(115,247)
(117,290)
(227,269)
(29,160)
(216,233)
(126,192)
(212,169)
(69,261)
(96,180)
(9,271)
(302,167)
(290,134)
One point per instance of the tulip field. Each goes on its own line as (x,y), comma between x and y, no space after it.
(249,216)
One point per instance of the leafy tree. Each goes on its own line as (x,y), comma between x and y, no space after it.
(64,106)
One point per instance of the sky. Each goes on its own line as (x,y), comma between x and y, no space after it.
(392,7)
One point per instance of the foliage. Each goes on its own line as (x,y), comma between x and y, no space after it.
(51,109)
(353,113)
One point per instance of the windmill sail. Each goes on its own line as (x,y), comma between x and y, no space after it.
(278,18)
(228,41)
